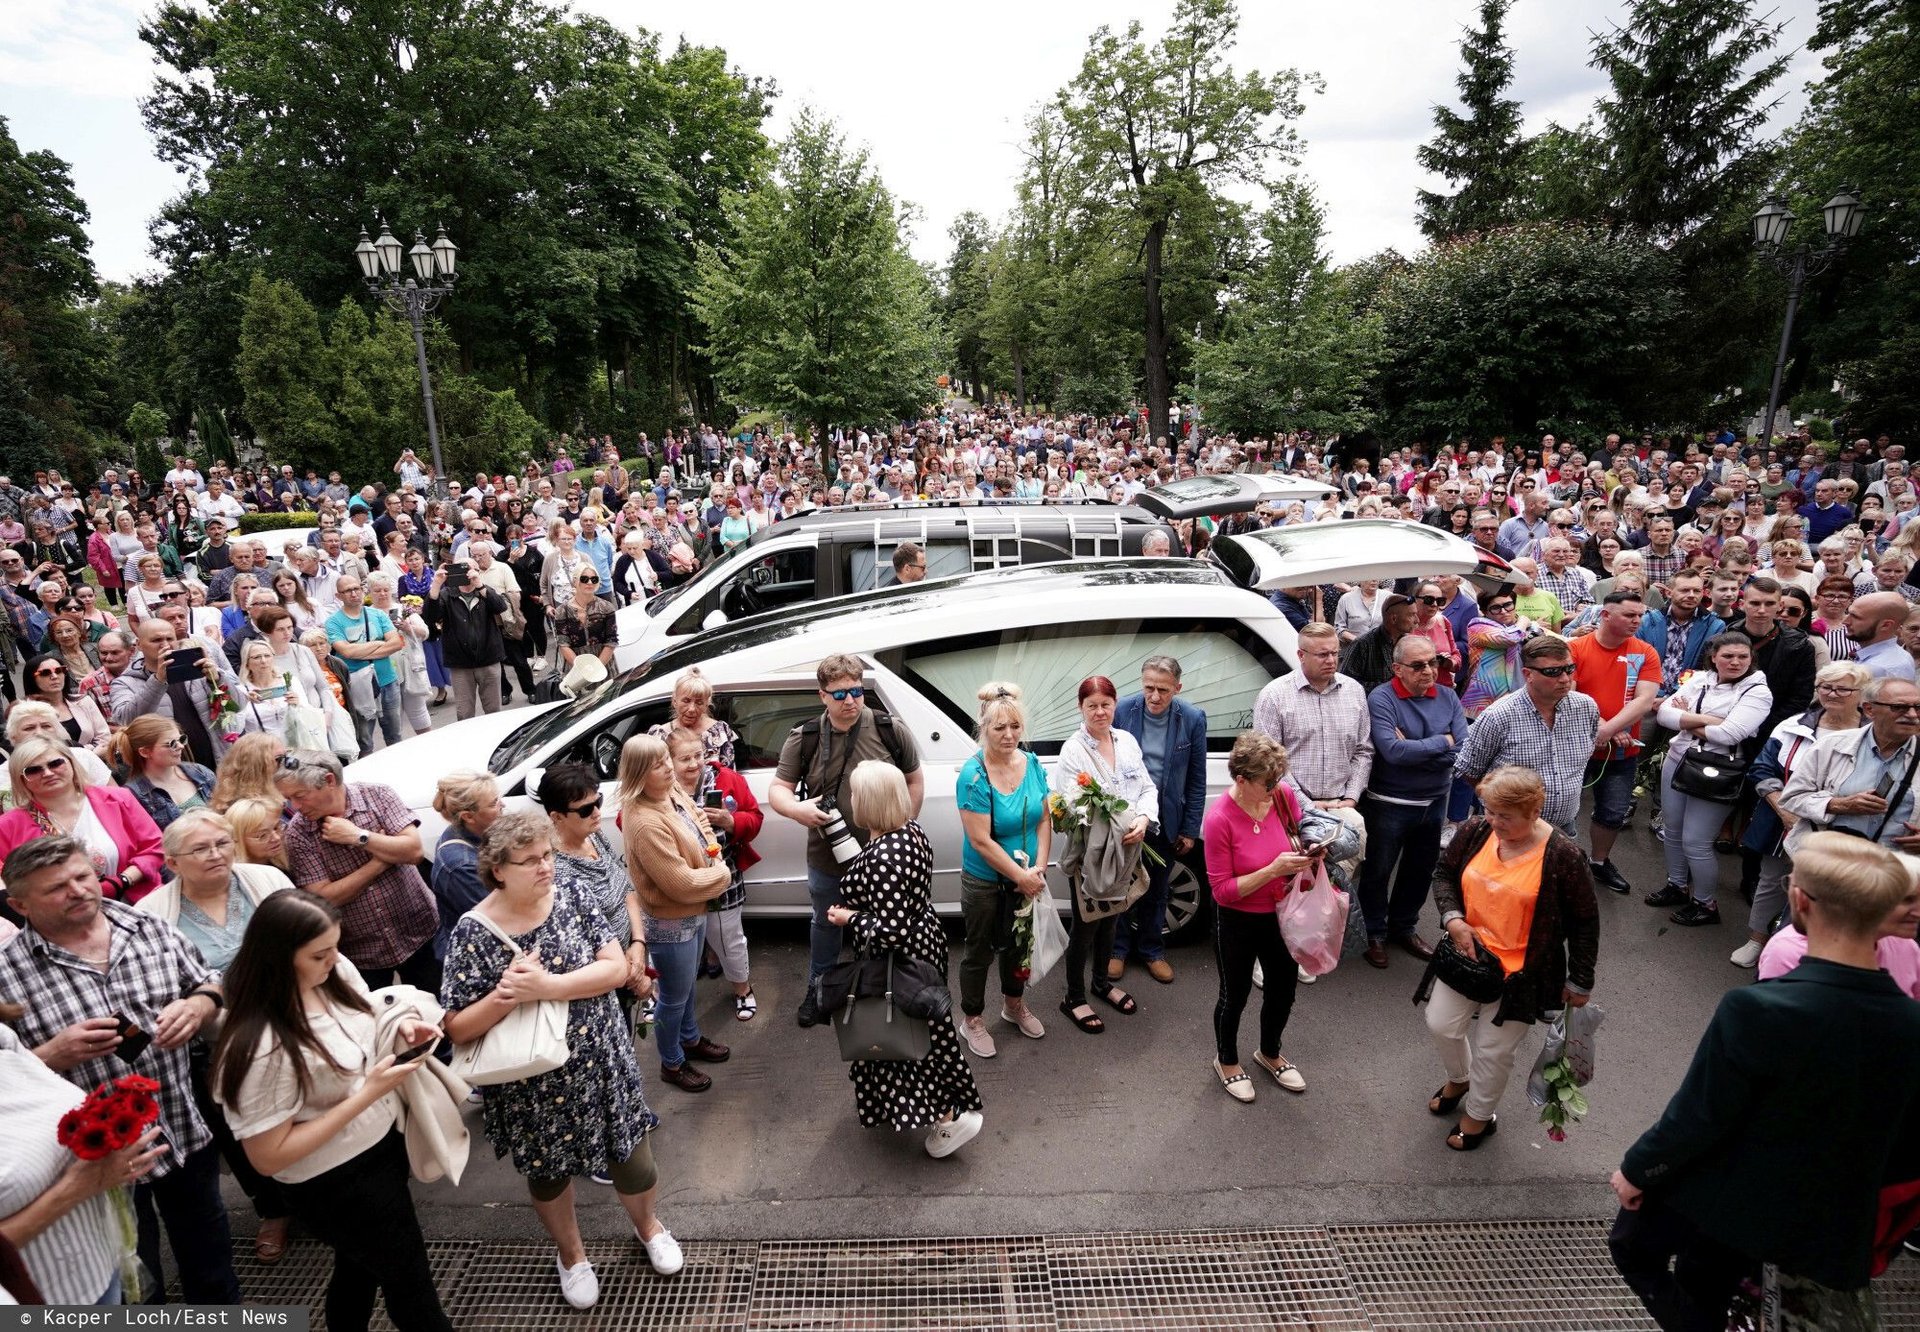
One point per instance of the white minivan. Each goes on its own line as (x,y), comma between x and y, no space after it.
(927,648)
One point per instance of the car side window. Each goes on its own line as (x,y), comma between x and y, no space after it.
(768,582)
(762,721)
(870,566)
(1224,665)
(600,749)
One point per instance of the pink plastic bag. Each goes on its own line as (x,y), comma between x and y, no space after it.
(1313,921)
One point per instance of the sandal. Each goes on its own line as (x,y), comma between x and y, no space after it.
(1442,1104)
(1125,1004)
(745,1006)
(1091,1023)
(270,1242)
(1462,1141)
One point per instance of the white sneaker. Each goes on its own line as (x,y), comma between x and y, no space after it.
(944,1139)
(1260,975)
(578,1285)
(1306,977)
(1747,955)
(1446,835)
(973,1030)
(663,1251)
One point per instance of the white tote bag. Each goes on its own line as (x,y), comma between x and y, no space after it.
(527,1042)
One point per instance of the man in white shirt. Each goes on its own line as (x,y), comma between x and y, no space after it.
(217,503)
(184,473)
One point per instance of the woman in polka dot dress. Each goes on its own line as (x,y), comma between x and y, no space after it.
(887,906)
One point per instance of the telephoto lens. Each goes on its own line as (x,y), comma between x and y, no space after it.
(839,837)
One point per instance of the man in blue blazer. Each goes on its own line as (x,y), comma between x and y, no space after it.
(1173,738)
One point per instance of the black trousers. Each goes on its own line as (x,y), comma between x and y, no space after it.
(267,1194)
(1685,1278)
(422,971)
(1088,942)
(1239,939)
(186,1202)
(363,1211)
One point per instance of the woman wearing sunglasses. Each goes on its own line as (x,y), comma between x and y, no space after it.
(52,797)
(50,680)
(585,624)
(151,750)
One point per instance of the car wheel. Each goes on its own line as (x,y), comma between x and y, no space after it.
(1188,900)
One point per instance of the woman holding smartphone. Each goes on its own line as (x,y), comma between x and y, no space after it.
(310,1096)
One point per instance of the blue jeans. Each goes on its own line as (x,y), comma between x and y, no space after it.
(1613,794)
(824,889)
(389,720)
(1140,933)
(1407,836)
(673,1018)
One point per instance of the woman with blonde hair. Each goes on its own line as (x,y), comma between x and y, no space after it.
(1510,886)
(247,770)
(693,711)
(470,803)
(53,798)
(673,864)
(258,837)
(1001,793)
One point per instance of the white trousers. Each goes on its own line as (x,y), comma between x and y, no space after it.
(1472,1049)
(727,934)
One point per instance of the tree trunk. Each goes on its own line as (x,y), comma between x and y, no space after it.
(1159,391)
(1019,379)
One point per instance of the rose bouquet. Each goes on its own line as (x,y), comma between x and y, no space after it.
(1070,816)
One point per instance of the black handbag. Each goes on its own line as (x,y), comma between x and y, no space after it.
(878,1029)
(1705,775)
(1480,979)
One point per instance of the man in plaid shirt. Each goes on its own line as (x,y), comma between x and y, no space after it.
(80,965)
(1664,559)
(1570,585)
(357,846)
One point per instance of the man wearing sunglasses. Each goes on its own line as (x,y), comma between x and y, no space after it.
(818,758)
(1545,726)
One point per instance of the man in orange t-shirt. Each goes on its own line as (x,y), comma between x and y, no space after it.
(1620,673)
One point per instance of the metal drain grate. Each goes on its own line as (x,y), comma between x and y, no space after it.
(1549,1275)
(926,1285)
(1215,1279)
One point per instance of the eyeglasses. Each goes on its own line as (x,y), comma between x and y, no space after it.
(1430,664)
(1433,601)
(588,580)
(1837,690)
(210,850)
(51,765)
(1911,709)
(175,743)
(51,670)
(842,695)
(1498,606)
(544,858)
(581,811)
(1552,672)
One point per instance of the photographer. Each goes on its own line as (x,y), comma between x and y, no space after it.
(471,644)
(168,680)
(819,756)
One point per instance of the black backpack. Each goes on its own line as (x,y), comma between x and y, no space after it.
(809,732)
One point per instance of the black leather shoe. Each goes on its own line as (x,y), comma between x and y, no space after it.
(1696,913)
(809,1010)
(1605,874)
(1670,895)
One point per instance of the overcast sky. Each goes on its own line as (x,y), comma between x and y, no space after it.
(938,95)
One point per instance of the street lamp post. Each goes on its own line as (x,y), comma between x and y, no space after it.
(1196,394)
(416,297)
(1842,216)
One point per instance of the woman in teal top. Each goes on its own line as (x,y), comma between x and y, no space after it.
(734,528)
(1002,796)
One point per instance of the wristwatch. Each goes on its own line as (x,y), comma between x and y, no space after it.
(363,838)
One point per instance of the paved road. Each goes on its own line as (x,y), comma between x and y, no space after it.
(1129,1130)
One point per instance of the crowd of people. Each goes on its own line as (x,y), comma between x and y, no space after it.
(1722,636)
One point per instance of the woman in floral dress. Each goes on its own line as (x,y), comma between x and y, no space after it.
(887,906)
(589,1114)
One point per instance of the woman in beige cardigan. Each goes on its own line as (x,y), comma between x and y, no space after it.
(676,869)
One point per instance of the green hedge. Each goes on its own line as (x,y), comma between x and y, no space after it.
(277,522)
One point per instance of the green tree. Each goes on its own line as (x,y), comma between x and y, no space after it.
(814,308)
(1478,152)
(1155,129)
(46,277)
(29,438)
(964,302)
(145,426)
(1297,351)
(1544,326)
(1859,323)
(283,370)
(1690,84)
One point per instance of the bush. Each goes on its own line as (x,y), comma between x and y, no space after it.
(1819,427)
(277,522)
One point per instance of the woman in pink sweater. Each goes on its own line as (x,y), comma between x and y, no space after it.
(1254,850)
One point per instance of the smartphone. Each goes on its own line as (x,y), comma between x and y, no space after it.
(715,799)
(133,1041)
(417,1052)
(183,665)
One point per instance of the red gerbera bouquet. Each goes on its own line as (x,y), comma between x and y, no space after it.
(111,1119)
